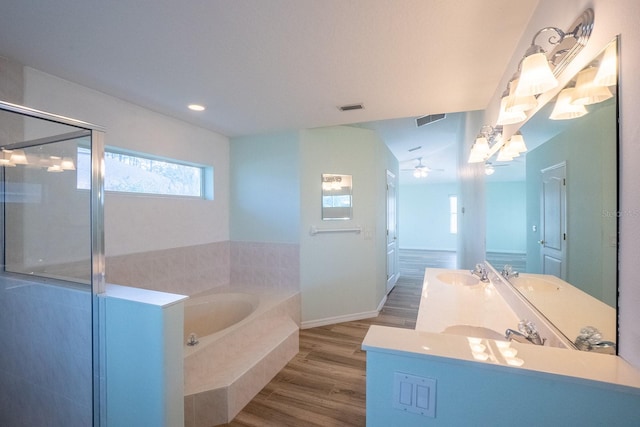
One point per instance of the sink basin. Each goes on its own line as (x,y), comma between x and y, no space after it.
(530,284)
(458,279)
(474,331)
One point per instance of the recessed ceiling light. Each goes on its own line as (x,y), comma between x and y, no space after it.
(196,107)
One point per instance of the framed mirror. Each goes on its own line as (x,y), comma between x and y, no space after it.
(571,199)
(337,201)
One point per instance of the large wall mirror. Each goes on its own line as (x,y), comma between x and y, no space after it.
(571,184)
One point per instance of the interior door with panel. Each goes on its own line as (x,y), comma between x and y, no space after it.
(553,246)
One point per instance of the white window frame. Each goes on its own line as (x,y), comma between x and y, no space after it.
(205,190)
(453,214)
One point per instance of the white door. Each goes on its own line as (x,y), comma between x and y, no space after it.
(553,245)
(392,240)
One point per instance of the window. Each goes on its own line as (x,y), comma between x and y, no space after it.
(136,173)
(453,214)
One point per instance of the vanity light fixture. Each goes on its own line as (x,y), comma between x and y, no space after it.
(481,149)
(516,143)
(517,102)
(607,74)
(67,164)
(587,92)
(536,73)
(18,157)
(504,155)
(564,109)
(506,117)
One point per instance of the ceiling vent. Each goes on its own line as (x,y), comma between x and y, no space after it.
(425,120)
(351,107)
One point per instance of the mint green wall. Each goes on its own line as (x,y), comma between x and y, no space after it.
(265,188)
(476,394)
(591,201)
(424,216)
(343,275)
(275,196)
(506,216)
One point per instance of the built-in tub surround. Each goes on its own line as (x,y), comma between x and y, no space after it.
(194,269)
(228,367)
(185,270)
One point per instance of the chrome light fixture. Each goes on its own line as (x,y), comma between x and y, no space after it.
(516,143)
(564,109)
(517,102)
(587,91)
(506,116)
(607,74)
(536,73)
(481,148)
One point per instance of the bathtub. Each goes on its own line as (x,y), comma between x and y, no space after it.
(243,340)
(207,315)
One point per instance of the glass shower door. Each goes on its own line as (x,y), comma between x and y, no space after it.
(52,267)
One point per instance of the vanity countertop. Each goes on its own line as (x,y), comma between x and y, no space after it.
(611,371)
(453,298)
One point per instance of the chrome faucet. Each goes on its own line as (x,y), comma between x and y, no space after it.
(526,333)
(481,271)
(590,339)
(508,272)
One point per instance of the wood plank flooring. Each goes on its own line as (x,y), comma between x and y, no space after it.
(324,384)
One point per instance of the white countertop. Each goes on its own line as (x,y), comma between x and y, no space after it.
(561,305)
(445,305)
(612,371)
(146,296)
(449,303)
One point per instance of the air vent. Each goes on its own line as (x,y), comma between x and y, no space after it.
(415,148)
(351,107)
(425,120)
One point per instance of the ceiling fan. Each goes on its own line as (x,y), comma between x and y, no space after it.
(421,170)
(490,168)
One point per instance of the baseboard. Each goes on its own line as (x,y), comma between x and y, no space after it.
(344,318)
(338,319)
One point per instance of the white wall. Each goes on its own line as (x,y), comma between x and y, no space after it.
(424,216)
(612,17)
(471,196)
(144,223)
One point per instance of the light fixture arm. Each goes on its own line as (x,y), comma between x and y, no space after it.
(553,39)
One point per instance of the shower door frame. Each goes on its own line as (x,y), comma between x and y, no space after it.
(97,246)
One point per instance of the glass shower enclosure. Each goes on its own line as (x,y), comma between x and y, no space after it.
(52,257)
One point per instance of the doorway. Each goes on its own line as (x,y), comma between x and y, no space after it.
(392,238)
(553,245)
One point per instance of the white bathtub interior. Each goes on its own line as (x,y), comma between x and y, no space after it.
(244,339)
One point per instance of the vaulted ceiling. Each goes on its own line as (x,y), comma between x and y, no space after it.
(269,65)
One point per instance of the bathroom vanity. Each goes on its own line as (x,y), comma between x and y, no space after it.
(457,367)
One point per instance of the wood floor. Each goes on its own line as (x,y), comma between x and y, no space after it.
(324,384)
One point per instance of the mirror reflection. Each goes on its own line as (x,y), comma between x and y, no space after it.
(336,197)
(570,201)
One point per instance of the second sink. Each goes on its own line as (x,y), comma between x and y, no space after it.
(453,278)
